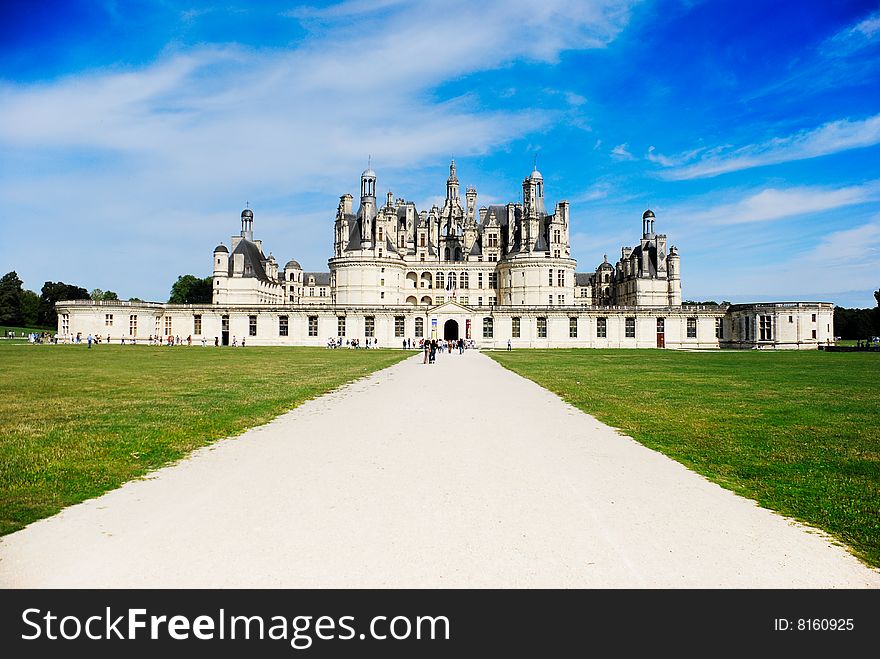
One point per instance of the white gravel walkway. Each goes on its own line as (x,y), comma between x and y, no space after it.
(458,474)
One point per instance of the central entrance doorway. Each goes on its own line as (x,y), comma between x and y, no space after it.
(450,330)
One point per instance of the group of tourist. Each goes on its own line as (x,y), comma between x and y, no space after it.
(432,346)
(353,344)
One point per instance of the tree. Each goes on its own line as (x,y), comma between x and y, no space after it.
(189,289)
(10,300)
(30,304)
(53,292)
(99,295)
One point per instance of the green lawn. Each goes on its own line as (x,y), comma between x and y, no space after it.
(799,432)
(76,422)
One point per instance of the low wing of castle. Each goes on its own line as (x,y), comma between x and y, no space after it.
(498,275)
(514,254)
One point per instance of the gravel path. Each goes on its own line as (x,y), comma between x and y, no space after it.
(459,474)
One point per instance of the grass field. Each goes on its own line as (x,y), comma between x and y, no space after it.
(799,432)
(76,422)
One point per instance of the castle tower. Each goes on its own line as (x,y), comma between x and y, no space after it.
(247,224)
(452,183)
(673,266)
(648,224)
(367,211)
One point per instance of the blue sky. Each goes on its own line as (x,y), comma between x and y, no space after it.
(133,133)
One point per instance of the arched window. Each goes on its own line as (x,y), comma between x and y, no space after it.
(463,280)
(458,253)
(439,281)
(446,254)
(451,280)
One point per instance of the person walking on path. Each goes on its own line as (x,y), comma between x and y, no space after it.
(89,340)
(427,352)
(508,345)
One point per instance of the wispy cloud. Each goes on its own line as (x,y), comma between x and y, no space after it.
(621,152)
(853,38)
(832,137)
(772,204)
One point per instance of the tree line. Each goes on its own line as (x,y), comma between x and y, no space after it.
(858,323)
(20,307)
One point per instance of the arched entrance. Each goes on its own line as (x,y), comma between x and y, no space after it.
(450,330)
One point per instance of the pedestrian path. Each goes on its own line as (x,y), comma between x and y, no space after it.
(456,474)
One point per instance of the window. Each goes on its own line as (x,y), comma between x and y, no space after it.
(814,334)
(108,319)
(463,299)
(311,292)
(560,300)
(322,292)
(492,300)
(542,328)
(691,328)
(398,326)
(422,256)
(381,282)
(382,295)
(441,299)
(313,326)
(766,327)
(167,325)
(133,325)
(661,325)
(252,325)
(282,325)
(791,319)
(224,323)
(381,235)
(493,280)
(370,326)
(420,327)
(560,277)
(493,257)
(422,244)
(480,301)
(602,327)
(583,292)
(814,320)
(556,253)
(492,240)
(340,325)
(401,241)
(550,281)
(747,329)
(463,280)
(480,280)
(514,327)
(719,328)
(557,236)
(439,281)
(197,324)
(573,327)
(65,323)
(630,328)
(487,328)
(550,300)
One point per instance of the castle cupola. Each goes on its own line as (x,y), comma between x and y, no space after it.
(452,183)
(247,224)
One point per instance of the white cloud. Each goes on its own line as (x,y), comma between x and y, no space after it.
(197,131)
(832,137)
(621,152)
(774,204)
(854,37)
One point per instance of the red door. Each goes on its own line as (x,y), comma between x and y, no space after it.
(661,340)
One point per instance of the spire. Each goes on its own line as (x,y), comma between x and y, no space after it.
(452,182)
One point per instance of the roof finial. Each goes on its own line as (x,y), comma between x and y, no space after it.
(536,162)
(247,204)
